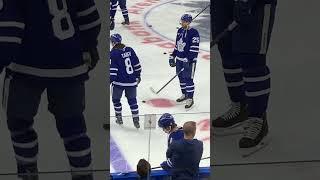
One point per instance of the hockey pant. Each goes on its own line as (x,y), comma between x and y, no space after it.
(243,54)
(123,6)
(186,78)
(21,99)
(131,95)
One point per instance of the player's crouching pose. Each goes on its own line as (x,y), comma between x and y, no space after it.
(125,70)
(243,54)
(185,53)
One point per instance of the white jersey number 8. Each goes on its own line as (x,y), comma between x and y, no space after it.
(129,67)
(59,15)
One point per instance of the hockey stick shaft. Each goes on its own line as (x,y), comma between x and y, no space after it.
(230,28)
(170,81)
(201,12)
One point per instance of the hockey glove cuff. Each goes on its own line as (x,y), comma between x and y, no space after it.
(165,165)
(172,62)
(91,58)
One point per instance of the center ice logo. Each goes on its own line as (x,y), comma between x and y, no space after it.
(181,45)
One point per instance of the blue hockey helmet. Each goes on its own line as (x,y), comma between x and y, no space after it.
(116,38)
(186,18)
(166,120)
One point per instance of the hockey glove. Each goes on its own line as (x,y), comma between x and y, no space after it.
(91,58)
(172,63)
(165,166)
(243,11)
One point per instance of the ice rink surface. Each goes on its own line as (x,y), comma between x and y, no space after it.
(293,113)
(152,34)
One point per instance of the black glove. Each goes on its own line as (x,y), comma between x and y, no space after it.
(243,11)
(91,58)
(172,62)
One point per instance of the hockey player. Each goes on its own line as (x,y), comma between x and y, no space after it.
(48,45)
(243,54)
(184,156)
(113,9)
(125,70)
(168,125)
(185,53)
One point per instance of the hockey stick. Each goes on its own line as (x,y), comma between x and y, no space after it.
(200,12)
(157,92)
(230,28)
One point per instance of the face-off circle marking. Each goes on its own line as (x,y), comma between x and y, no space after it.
(161,102)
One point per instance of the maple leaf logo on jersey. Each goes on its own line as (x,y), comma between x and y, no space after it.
(181,45)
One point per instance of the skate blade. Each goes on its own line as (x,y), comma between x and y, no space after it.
(188,109)
(236,129)
(181,103)
(248,152)
(227,132)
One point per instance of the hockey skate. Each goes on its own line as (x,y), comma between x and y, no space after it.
(29,173)
(181,99)
(136,122)
(119,120)
(189,104)
(230,122)
(112,24)
(126,22)
(255,136)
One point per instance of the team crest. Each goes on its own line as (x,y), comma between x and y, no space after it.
(181,45)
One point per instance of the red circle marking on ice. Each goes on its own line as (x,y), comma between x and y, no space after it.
(161,102)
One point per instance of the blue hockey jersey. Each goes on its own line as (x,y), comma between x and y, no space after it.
(46,38)
(183,159)
(125,67)
(175,135)
(187,45)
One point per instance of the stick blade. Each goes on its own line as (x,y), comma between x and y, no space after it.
(153,91)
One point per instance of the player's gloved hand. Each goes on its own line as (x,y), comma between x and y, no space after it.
(91,58)
(164,165)
(243,11)
(172,62)
(138,80)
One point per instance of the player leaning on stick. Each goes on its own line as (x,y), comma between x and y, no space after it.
(243,54)
(185,53)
